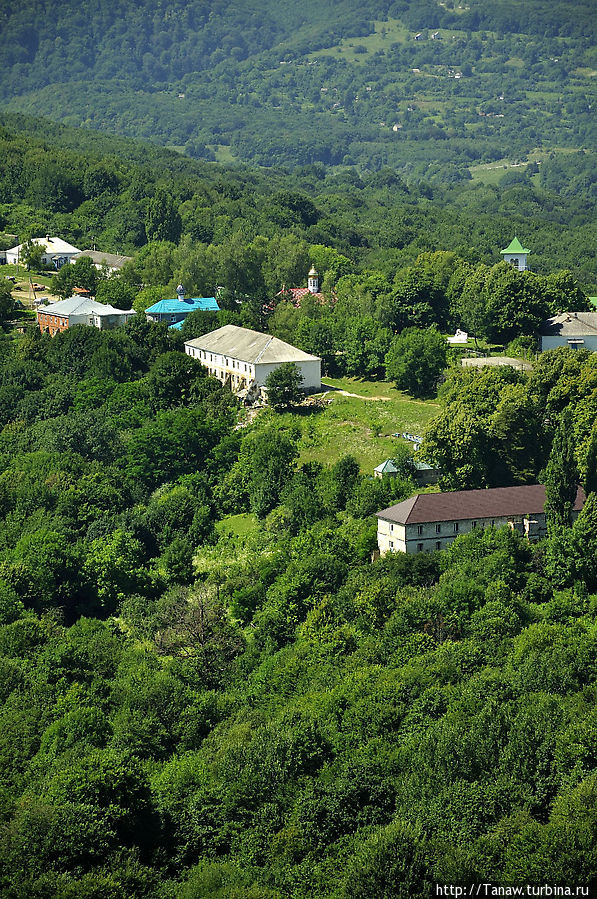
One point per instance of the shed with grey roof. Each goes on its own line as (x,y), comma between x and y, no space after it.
(246,357)
(574,329)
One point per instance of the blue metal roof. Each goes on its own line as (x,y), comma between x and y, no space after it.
(190,304)
(176,326)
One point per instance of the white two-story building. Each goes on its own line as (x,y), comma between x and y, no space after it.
(245,358)
(431,521)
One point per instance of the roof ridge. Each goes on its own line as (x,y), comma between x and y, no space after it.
(265,347)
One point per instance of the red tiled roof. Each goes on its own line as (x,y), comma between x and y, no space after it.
(498,502)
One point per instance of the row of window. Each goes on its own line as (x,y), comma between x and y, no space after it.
(455,527)
(229,363)
(420,546)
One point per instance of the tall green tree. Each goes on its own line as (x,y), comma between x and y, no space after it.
(284,386)
(561,476)
(163,221)
(591,464)
(416,359)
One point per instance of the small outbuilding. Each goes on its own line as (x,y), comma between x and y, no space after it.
(385,469)
(574,329)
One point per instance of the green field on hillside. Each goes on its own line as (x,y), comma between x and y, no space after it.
(361,425)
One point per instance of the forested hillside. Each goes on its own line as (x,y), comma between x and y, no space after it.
(122,196)
(431,89)
(190,712)
(210,687)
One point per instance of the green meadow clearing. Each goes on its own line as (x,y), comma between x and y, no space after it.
(361,424)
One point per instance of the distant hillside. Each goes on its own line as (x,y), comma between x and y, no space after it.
(94,187)
(431,89)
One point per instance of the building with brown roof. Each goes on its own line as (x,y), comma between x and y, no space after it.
(430,521)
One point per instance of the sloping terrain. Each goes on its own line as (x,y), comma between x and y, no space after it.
(430,89)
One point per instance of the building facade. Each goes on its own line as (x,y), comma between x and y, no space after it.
(244,358)
(432,521)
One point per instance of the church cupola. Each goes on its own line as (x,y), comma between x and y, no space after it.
(313,282)
(516,255)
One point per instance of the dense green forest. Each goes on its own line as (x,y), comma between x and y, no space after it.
(208,685)
(428,88)
(189,712)
(124,196)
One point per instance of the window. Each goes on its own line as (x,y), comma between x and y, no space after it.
(419,529)
(438,544)
(391,544)
(391,529)
(455,527)
(438,528)
(419,547)
(473,524)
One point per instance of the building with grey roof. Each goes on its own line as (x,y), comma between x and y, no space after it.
(245,358)
(57,252)
(574,329)
(80,311)
(113,262)
(431,521)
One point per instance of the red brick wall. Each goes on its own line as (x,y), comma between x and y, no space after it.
(51,323)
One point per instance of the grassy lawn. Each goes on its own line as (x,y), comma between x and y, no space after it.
(389,32)
(237,525)
(360,425)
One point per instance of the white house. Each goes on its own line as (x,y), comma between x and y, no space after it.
(57,252)
(80,311)
(246,357)
(574,329)
(516,255)
(431,521)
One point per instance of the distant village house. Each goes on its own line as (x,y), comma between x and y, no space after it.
(111,262)
(57,252)
(80,311)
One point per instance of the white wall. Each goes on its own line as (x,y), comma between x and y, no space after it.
(311,372)
(390,537)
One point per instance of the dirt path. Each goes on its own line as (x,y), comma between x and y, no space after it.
(385,399)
